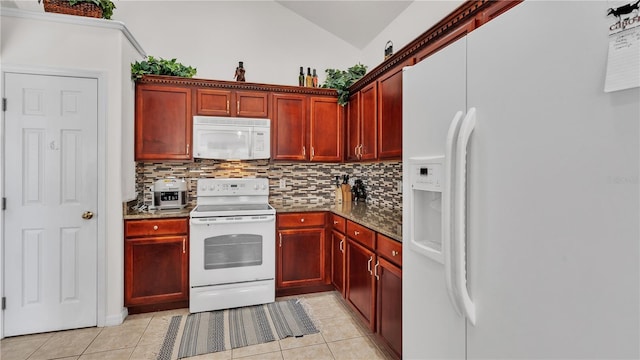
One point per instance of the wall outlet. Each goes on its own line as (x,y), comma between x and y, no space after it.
(399,186)
(283,184)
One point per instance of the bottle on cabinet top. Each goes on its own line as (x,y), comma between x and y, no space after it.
(309,78)
(314,79)
(301,77)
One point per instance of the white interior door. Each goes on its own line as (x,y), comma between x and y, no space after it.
(50,237)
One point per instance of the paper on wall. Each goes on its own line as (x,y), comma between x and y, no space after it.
(623,62)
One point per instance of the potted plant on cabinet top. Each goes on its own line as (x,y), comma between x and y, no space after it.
(341,80)
(160,66)
(89,8)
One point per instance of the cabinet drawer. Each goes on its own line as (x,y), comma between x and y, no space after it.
(339,223)
(361,234)
(389,249)
(153,227)
(305,219)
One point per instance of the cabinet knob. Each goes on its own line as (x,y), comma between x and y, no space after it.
(302,220)
(155,227)
(335,222)
(394,253)
(356,233)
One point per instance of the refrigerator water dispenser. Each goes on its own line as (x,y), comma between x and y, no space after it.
(426,181)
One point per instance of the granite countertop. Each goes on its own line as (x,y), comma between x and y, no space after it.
(386,221)
(131,214)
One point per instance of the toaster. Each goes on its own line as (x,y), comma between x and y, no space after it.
(169,194)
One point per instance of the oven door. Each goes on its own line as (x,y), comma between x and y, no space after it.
(231,249)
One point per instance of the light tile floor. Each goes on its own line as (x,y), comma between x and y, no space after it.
(341,336)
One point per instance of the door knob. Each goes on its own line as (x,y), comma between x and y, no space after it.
(87,215)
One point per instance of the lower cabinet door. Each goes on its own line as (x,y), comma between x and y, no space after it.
(389,305)
(360,281)
(156,270)
(338,248)
(300,257)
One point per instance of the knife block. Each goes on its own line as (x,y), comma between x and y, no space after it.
(346,193)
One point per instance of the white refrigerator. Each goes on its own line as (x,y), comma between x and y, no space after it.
(521,193)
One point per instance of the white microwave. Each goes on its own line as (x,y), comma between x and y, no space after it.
(231,138)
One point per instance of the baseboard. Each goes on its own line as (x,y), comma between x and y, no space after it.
(115,320)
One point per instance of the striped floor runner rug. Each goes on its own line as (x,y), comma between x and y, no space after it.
(208,332)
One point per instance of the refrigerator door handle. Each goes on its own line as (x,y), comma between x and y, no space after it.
(447,209)
(460,198)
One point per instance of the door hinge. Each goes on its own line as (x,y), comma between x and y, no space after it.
(4,104)
(4,203)
(4,303)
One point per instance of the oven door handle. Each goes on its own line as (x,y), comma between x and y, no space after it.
(232,220)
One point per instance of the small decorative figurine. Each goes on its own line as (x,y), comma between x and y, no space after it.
(240,72)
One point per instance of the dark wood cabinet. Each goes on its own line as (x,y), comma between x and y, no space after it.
(289,127)
(389,304)
(352,137)
(338,247)
(390,114)
(362,122)
(368,122)
(360,281)
(388,273)
(325,129)
(162,122)
(156,264)
(213,102)
(222,102)
(306,128)
(301,254)
(338,252)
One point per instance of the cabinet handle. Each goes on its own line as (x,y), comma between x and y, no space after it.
(355,151)
(238,107)
(304,151)
(280,234)
(187,149)
(227,106)
(302,220)
(313,153)
(341,246)
(394,253)
(184,245)
(360,151)
(375,270)
(155,227)
(369,265)
(335,222)
(356,233)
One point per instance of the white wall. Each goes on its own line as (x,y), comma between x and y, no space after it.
(213,36)
(415,20)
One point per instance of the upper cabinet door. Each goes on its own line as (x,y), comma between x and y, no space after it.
(390,114)
(325,139)
(368,122)
(353,127)
(213,102)
(163,123)
(289,127)
(251,104)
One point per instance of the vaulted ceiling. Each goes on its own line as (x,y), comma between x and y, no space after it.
(356,22)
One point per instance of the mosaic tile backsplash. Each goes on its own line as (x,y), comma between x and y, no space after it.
(305,183)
